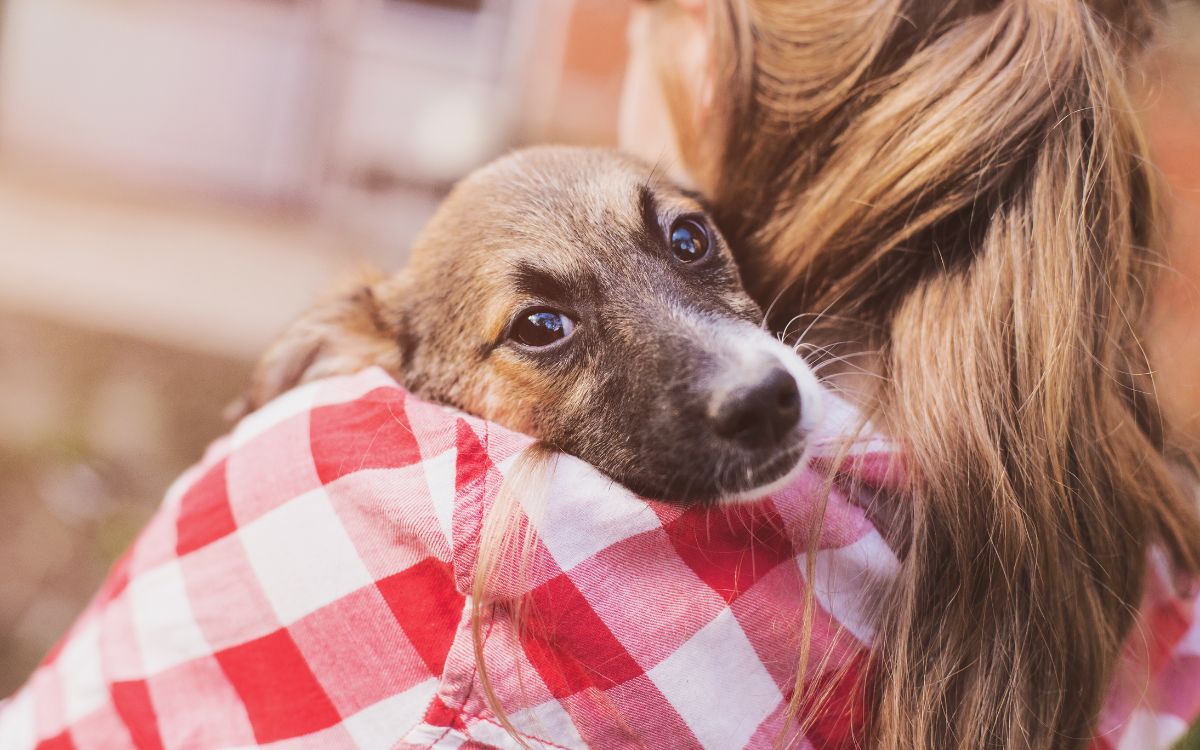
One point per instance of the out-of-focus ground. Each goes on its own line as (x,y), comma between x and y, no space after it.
(95,426)
(178,180)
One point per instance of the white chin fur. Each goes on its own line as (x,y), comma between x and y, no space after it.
(763,490)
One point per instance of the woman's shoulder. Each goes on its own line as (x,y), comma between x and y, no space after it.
(376,457)
(313,570)
(624,593)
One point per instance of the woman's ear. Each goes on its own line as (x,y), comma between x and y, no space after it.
(350,330)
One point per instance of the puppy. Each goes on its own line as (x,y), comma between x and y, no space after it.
(576,296)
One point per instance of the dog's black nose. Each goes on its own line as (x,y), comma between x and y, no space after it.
(758,414)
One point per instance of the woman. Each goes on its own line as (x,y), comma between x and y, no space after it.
(967,210)
(951,202)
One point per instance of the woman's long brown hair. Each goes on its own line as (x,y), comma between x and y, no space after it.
(961,188)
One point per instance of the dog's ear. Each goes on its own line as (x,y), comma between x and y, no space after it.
(348,331)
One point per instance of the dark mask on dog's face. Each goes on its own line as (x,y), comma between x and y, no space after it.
(573,295)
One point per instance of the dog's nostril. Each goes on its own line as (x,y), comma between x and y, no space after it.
(760,414)
(789,397)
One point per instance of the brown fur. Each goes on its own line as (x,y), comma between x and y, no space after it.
(658,344)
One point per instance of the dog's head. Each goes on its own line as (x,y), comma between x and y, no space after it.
(574,295)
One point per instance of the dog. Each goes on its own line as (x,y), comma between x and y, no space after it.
(577,296)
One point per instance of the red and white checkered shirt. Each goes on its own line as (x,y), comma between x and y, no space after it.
(307,586)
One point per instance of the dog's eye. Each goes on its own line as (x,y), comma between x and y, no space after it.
(689,240)
(541,327)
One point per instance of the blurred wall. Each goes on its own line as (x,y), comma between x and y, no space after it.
(212,96)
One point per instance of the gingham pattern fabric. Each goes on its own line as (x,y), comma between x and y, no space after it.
(307,585)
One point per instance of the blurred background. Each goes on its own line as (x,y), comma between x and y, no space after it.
(178,179)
